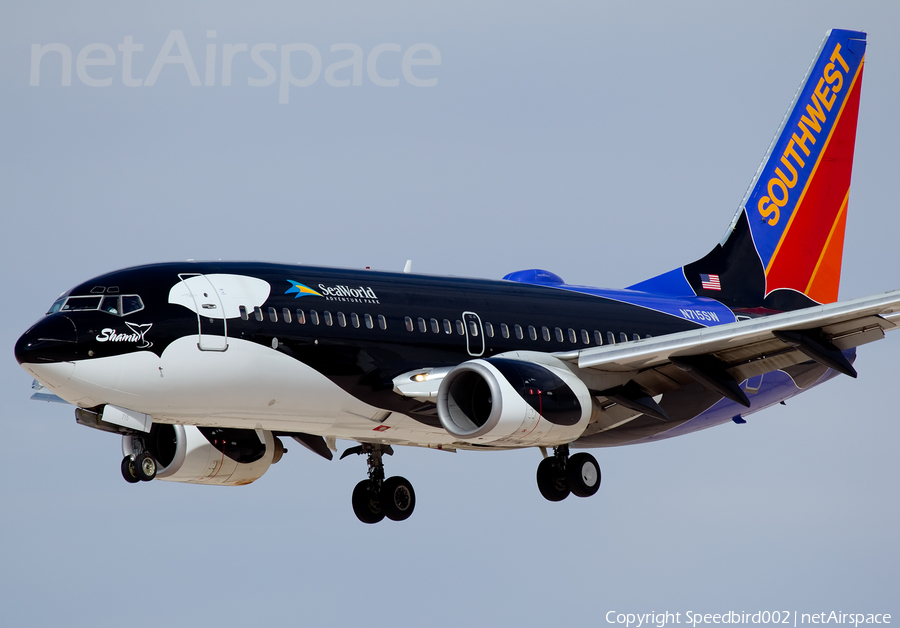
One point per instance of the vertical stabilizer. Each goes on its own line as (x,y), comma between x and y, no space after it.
(784,247)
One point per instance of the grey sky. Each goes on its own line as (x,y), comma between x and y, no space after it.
(604,142)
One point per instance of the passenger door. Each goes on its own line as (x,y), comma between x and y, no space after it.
(211,322)
(474,334)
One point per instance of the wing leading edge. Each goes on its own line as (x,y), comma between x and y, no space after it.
(721,357)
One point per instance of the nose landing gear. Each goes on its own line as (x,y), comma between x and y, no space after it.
(558,475)
(140,466)
(376,498)
(129,470)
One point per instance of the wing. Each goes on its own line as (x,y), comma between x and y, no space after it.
(632,373)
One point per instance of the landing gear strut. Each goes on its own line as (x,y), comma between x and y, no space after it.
(140,466)
(376,498)
(558,475)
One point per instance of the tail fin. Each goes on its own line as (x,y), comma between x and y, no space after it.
(784,247)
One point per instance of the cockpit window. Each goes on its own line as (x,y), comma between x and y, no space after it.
(116,305)
(131,303)
(74,304)
(57,305)
(110,305)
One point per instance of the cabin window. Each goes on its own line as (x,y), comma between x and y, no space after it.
(585,337)
(368,319)
(545,333)
(326,316)
(341,319)
(448,328)
(489,330)
(532,332)
(354,320)
(610,338)
(301,318)
(435,326)
(257,314)
(635,336)
(623,336)
(273,315)
(504,330)
(244,315)
(473,329)
(598,337)
(409,323)
(382,322)
(313,317)
(422,326)
(460,329)
(573,337)
(286,315)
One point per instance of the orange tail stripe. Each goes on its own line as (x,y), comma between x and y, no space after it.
(813,222)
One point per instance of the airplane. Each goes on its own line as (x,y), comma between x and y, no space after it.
(204,368)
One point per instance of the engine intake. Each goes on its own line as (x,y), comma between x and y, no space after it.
(505,401)
(205,455)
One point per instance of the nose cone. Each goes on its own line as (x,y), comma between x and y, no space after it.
(53,339)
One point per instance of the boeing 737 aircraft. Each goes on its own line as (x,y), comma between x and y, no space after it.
(204,368)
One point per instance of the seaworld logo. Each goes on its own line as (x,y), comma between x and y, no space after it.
(300,290)
(358,294)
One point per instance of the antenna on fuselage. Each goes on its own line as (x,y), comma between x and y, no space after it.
(408,267)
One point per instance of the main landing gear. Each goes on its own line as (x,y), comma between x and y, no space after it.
(377,498)
(559,474)
(140,466)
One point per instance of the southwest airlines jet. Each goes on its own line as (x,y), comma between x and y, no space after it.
(204,368)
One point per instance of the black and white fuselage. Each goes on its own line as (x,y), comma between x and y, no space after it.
(318,351)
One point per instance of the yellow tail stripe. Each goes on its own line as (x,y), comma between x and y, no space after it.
(816,167)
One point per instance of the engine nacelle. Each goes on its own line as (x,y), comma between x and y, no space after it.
(504,401)
(208,455)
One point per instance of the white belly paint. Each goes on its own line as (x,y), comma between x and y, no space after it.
(248,387)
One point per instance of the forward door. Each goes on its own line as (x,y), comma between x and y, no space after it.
(211,321)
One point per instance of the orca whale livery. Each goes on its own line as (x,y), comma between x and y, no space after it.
(205,368)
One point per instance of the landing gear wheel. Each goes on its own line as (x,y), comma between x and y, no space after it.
(129,470)
(551,480)
(145,467)
(366,503)
(398,499)
(583,475)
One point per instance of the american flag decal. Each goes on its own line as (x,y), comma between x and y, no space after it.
(710,282)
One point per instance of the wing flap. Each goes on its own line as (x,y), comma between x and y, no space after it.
(745,348)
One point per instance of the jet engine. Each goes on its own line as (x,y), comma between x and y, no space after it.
(513,402)
(209,455)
